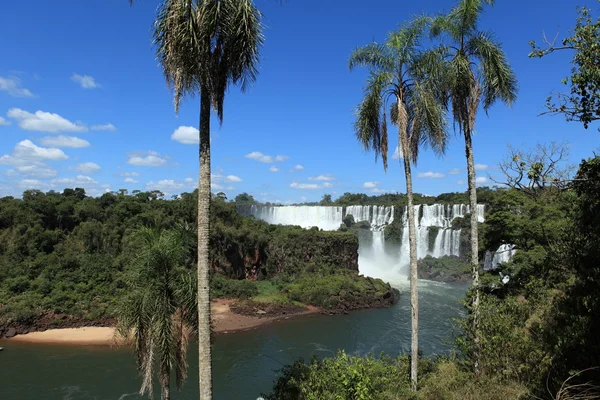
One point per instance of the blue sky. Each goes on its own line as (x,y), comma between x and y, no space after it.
(83,102)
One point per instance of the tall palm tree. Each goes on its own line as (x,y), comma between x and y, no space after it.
(399,77)
(476,70)
(204,46)
(159,309)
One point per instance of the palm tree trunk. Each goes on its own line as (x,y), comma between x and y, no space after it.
(474,241)
(204,346)
(414,277)
(165,382)
(165,393)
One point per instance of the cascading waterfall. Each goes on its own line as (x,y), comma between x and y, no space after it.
(326,218)
(434,219)
(494,258)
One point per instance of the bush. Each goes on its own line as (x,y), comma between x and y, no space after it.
(348,377)
(221,287)
(330,288)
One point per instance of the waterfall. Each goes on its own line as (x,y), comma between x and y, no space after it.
(326,218)
(504,254)
(377,216)
(433,219)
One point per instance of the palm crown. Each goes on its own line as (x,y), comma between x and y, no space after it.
(207,45)
(404,76)
(476,66)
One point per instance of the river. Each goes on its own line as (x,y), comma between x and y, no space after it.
(245,363)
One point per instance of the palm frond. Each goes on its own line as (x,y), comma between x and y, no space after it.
(498,79)
(370,128)
(206,45)
(374,55)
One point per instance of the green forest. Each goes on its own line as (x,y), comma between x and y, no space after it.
(151,266)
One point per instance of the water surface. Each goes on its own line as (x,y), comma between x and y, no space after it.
(244,362)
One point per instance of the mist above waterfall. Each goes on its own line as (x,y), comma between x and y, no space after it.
(378,257)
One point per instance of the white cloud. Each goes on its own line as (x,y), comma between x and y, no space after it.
(461,182)
(126,174)
(38,171)
(260,157)
(370,185)
(298,167)
(480,180)
(303,198)
(12,86)
(171,186)
(4,122)
(147,159)
(377,190)
(105,127)
(31,184)
(43,121)
(481,167)
(79,180)
(232,178)
(327,184)
(64,141)
(397,153)
(430,174)
(87,168)
(454,171)
(273,169)
(85,81)
(325,177)
(186,135)
(216,179)
(309,186)
(131,180)
(26,152)
(189,180)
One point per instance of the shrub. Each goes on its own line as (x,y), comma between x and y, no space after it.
(232,288)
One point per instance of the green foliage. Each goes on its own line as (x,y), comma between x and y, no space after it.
(541,327)
(159,306)
(344,377)
(582,104)
(444,269)
(349,377)
(232,288)
(244,199)
(334,288)
(348,220)
(432,235)
(74,262)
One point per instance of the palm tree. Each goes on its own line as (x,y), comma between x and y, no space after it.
(159,309)
(398,74)
(476,70)
(204,46)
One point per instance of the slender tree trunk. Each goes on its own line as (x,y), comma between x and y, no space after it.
(474,240)
(165,393)
(204,345)
(165,382)
(414,277)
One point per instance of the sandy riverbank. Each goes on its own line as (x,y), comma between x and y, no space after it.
(224,321)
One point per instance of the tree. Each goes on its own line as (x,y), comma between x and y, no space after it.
(534,171)
(203,47)
(326,200)
(159,310)
(398,72)
(582,104)
(476,70)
